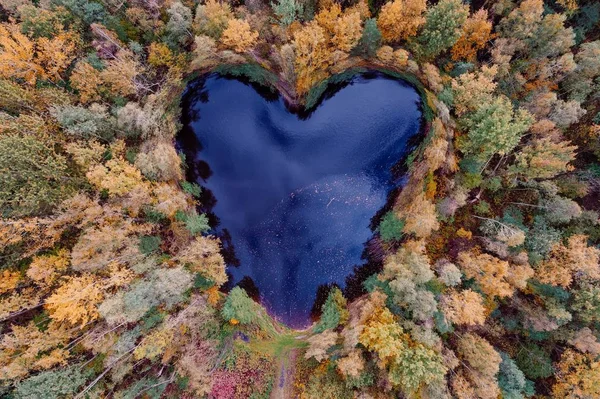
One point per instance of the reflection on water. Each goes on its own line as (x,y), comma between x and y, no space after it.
(293,198)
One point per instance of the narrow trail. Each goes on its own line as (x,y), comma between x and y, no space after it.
(284,384)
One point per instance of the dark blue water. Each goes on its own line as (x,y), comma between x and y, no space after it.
(293,198)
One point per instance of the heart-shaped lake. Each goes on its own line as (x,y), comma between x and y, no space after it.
(293,198)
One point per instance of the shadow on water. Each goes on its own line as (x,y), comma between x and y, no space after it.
(295,197)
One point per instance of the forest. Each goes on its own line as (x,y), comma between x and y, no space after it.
(113,284)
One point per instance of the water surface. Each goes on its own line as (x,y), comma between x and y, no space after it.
(293,198)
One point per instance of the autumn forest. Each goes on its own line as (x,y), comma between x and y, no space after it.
(484,272)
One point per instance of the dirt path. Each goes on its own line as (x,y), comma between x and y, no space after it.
(284,384)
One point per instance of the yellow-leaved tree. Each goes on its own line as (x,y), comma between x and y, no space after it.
(312,56)
(476,31)
(347,31)
(400,19)
(463,307)
(17,55)
(239,36)
(57,53)
(76,300)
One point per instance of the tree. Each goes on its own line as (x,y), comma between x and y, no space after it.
(39,22)
(391,227)
(584,79)
(197,224)
(370,40)
(464,307)
(471,90)
(205,52)
(588,59)
(483,360)
(15,98)
(179,25)
(319,344)
(204,256)
(170,199)
(162,287)
(511,380)
(145,122)
(409,262)
(400,19)
(383,335)
(328,17)
(420,217)
(154,344)
(78,121)
(586,303)
(352,365)
(409,295)
(442,27)
(560,210)
(312,56)
(508,234)
(239,307)
(85,11)
(432,75)
(86,80)
(585,341)
(475,33)
(489,272)
(333,311)
(494,128)
(17,55)
(9,280)
(57,53)
(417,366)
(33,177)
(534,361)
(566,261)
(578,376)
(347,31)
(121,73)
(160,55)
(543,159)
(159,161)
(117,177)
(149,244)
(566,113)
(538,34)
(212,18)
(45,270)
(52,384)
(448,273)
(287,11)
(76,300)
(27,348)
(238,35)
